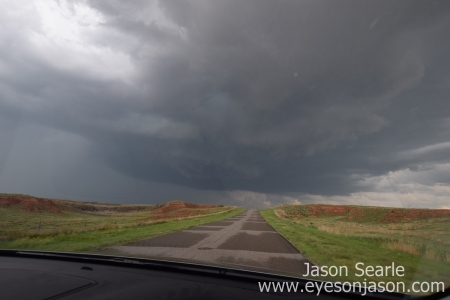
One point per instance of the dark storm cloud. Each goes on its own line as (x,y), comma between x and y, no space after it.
(298,96)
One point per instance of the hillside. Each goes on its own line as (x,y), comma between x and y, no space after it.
(420,232)
(23,215)
(362,213)
(27,203)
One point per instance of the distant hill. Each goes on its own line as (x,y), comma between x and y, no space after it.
(28,203)
(24,215)
(361,213)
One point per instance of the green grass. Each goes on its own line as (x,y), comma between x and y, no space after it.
(360,214)
(329,249)
(98,238)
(428,237)
(15,223)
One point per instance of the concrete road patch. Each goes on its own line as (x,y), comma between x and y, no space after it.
(260,226)
(177,239)
(206,228)
(265,242)
(246,241)
(219,223)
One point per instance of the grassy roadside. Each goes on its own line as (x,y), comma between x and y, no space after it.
(327,249)
(86,241)
(421,232)
(15,223)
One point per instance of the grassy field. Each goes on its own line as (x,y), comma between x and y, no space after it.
(420,232)
(341,239)
(16,223)
(79,226)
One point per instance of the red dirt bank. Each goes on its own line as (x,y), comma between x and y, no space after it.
(178,209)
(362,213)
(414,214)
(30,204)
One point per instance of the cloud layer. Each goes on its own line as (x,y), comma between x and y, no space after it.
(319,98)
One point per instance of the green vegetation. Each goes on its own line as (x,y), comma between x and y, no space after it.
(332,241)
(97,237)
(15,223)
(420,232)
(33,223)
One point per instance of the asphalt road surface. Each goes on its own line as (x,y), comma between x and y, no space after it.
(245,240)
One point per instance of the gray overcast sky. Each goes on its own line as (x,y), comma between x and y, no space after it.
(250,102)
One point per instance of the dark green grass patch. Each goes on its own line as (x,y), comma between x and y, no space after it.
(92,240)
(327,249)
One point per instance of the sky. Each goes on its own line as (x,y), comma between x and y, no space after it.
(251,103)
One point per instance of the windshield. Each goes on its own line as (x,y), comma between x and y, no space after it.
(307,137)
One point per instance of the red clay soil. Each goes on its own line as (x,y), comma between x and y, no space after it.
(398,215)
(356,213)
(29,204)
(177,205)
(178,209)
(329,210)
(175,209)
(93,207)
(392,215)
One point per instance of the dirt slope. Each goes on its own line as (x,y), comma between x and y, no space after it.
(30,204)
(363,213)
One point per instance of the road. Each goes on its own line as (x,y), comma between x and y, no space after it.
(244,240)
